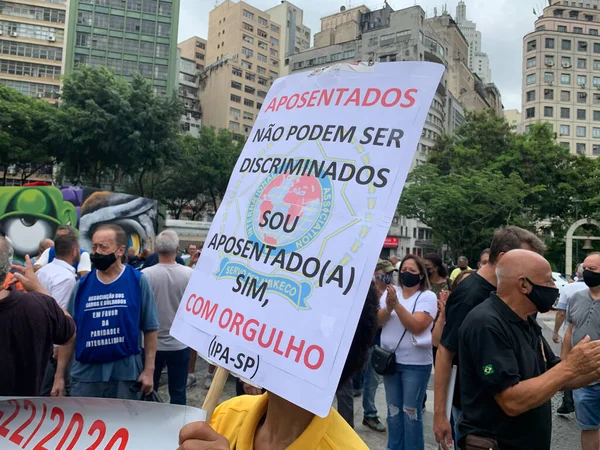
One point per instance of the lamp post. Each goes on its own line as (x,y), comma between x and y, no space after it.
(576,201)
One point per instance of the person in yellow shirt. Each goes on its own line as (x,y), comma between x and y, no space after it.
(269,422)
(463,264)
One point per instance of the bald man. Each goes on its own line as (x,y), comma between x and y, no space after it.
(508,373)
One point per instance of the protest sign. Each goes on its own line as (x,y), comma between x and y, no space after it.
(61,423)
(282,279)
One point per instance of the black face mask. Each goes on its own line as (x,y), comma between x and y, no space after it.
(591,279)
(543,297)
(102,262)
(409,279)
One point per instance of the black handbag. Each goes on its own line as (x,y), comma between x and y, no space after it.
(384,361)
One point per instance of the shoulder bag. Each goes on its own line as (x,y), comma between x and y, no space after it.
(384,361)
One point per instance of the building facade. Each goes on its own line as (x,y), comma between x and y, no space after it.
(194,48)
(294,35)
(561,74)
(479,62)
(513,117)
(126,36)
(243,59)
(32,39)
(188,94)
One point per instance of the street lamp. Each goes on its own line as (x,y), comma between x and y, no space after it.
(577,202)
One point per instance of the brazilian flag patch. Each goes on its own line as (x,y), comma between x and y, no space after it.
(488,370)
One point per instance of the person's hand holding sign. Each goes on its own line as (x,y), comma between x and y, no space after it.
(200,436)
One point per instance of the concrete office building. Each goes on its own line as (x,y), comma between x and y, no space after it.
(194,48)
(294,35)
(479,62)
(188,94)
(127,36)
(243,59)
(561,74)
(32,38)
(513,117)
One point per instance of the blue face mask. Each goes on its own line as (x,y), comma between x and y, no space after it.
(385,278)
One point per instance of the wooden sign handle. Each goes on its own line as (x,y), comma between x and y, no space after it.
(214,393)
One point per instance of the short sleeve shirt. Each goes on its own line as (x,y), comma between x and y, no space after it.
(392,330)
(471,292)
(568,291)
(29,324)
(497,351)
(584,314)
(130,367)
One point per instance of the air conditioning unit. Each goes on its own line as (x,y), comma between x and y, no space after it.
(549,64)
(186,104)
(51,38)
(566,66)
(13,34)
(551,83)
(582,85)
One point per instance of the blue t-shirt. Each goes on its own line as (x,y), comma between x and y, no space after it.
(129,367)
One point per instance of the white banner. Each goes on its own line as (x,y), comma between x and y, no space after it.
(283,275)
(60,423)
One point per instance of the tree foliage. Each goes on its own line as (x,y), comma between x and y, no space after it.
(487,176)
(24,124)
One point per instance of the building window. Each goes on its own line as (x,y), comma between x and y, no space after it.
(84,18)
(236,85)
(530,113)
(248,39)
(581,80)
(272,75)
(566,62)
(247,52)
(565,96)
(132,25)
(548,94)
(165,9)
(596,116)
(565,130)
(101,20)
(274,52)
(577,30)
(530,96)
(234,126)
(248,14)
(549,42)
(274,62)
(565,113)
(596,133)
(247,27)
(531,62)
(580,131)
(82,39)
(580,148)
(248,116)
(263,81)
(549,77)
(258,105)
(262,33)
(581,114)
(582,46)
(250,76)
(263,45)
(531,45)
(249,103)
(246,65)
(261,57)
(596,47)
(548,111)
(235,113)
(581,97)
(596,65)
(593,32)
(596,99)
(581,63)
(549,60)
(149,27)
(565,78)
(249,89)
(236,98)
(274,41)
(530,79)
(275,28)
(565,145)
(562,28)
(261,94)
(261,70)
(565,44)
(263,22)
(595,150)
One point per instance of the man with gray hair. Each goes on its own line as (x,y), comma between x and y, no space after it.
(168,281)
(30,322)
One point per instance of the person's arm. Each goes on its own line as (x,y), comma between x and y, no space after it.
(559,319)
(443,368)
(42,260)
(422,318)
(567,342)
(149,326)
(436,333)
(63,336)
(26,276)
(65,355)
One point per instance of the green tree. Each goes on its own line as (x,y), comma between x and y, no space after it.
(24,124)
(107,127)
(487,176)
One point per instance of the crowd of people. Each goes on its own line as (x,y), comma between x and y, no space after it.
(97,325)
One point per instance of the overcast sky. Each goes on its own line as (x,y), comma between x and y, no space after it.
(503,24)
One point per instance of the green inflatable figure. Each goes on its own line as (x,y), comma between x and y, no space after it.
(30,214)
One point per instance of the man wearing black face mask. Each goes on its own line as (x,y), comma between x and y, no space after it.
(112,306)
(507,375)
(583,318)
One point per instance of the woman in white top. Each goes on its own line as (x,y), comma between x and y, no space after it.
(406,316)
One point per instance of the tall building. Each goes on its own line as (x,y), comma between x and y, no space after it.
(243,59)
(513,117)
(127,36)
(561,74)
(295,36)
(188,94)
(479,62)
(194,48)
(32,38)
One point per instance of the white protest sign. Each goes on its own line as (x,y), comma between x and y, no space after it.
(287,263)
(60,423)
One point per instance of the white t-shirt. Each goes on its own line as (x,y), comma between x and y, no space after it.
(392,331)
(84,265)
(568,291)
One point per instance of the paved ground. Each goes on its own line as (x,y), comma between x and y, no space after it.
(565,435)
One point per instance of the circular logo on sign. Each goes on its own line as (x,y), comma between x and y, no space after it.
(289,211)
